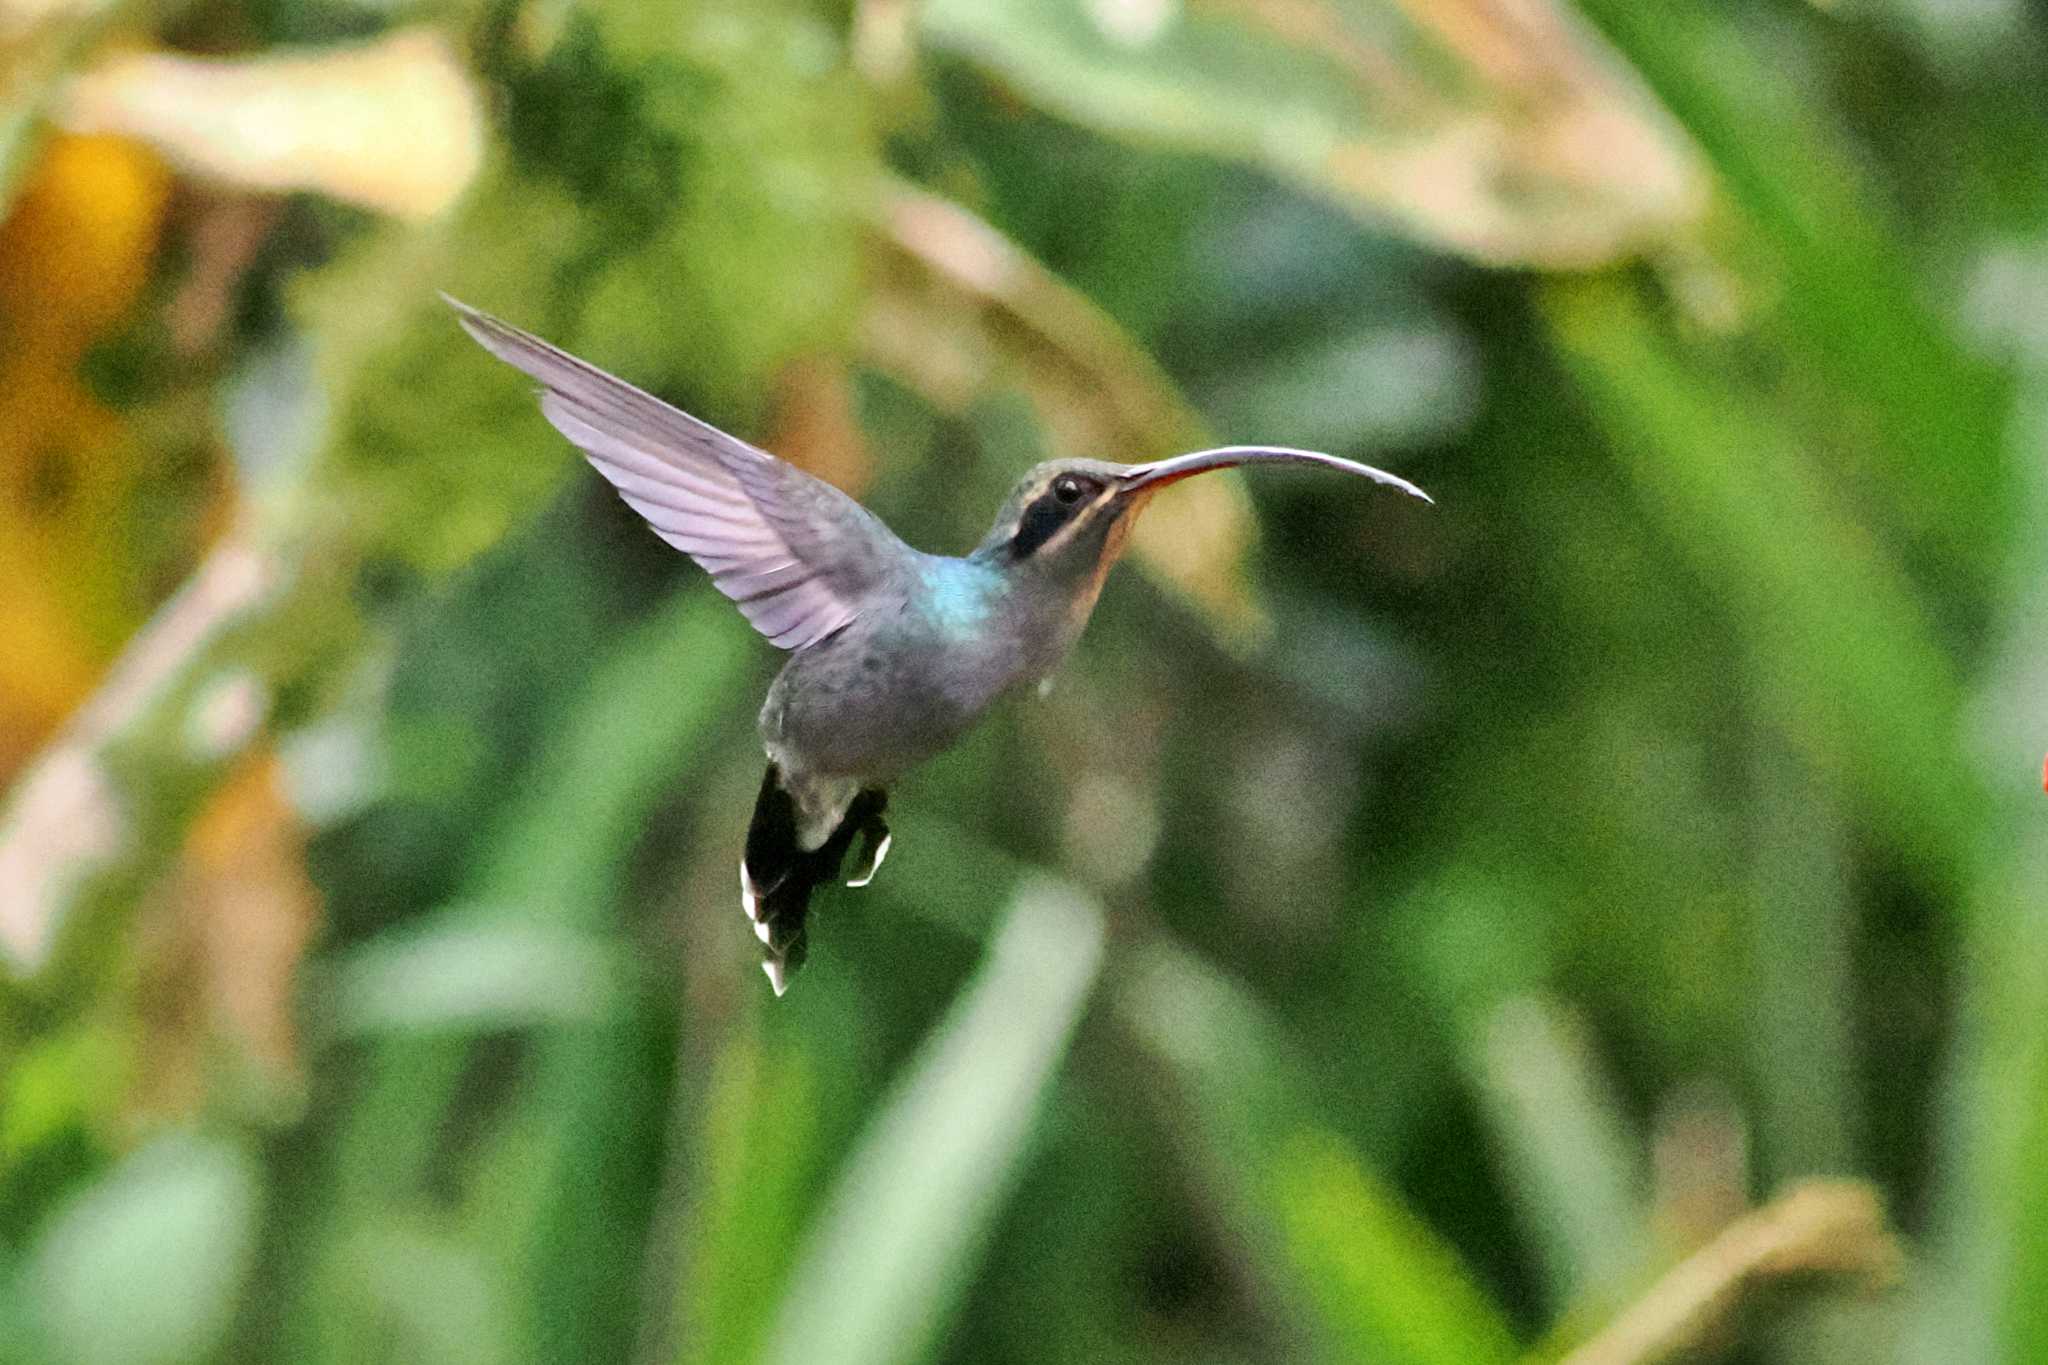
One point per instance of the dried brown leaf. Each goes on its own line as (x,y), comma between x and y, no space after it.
(1835,1228)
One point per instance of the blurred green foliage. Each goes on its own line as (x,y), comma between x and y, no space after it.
(1404,934)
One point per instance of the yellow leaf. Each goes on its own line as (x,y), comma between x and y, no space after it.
(76,248)
(394,125)
(74,253)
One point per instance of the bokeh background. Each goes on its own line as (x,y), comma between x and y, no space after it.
(1603,916)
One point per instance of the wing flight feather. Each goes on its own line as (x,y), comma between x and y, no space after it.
(795,554)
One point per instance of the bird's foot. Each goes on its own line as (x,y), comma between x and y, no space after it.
(874,845)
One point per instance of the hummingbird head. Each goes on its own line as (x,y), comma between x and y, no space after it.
(1062,515)
(1072,517)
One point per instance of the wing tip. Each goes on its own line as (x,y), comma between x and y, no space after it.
(495,335)
(472,319)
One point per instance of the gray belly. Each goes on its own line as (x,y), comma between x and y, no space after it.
(861,707)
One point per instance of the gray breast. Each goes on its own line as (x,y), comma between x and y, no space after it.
(879,697)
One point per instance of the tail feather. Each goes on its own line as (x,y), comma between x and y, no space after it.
(779,874)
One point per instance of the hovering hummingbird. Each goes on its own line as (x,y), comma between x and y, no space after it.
(894,653)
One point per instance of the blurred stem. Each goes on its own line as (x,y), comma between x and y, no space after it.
(737,1188)
(1568,1151)
(1803,925)
(1994,1215)
(1822,1227)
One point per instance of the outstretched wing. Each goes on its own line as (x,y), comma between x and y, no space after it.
(797,555)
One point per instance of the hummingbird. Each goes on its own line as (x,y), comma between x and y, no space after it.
(894,653)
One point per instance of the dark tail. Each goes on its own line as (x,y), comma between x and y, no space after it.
(778,876)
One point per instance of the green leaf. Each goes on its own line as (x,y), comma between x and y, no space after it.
(1845,657)
(761,1145)
(1384,1287)
(1389,110)
(1372,1281)
(578,814)
(146,1265)
(1897,386)
(1570,1156)
(902,1232)
(757,137)
(543,1215)
(467,970)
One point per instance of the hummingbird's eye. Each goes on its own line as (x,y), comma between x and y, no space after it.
(1067,489)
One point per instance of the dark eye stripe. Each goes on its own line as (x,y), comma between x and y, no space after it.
(1048,512)
(1040,522)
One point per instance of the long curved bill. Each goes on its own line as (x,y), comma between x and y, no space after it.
(1156,475)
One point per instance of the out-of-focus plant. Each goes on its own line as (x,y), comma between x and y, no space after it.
(1468,929)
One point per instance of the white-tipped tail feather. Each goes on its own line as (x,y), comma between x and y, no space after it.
(783,865)
(750,897)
